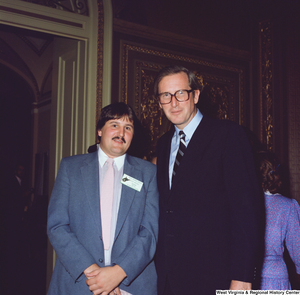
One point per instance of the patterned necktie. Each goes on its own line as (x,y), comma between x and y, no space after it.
(180,153)
(106,201)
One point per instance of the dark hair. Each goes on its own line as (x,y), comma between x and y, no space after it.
(116,110)
(172,70)
(269,171)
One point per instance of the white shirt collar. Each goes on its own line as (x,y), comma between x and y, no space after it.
(102,157)
(270,194)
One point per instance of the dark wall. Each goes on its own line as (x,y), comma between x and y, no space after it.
(15,120)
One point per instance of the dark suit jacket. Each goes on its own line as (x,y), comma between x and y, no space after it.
(208,225)
(74,226)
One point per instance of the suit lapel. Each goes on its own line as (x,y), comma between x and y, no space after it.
(196,148)
(127,194)
(163,163)
(90,176)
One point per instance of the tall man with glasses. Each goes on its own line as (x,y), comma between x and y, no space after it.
(103,216)
(209,197)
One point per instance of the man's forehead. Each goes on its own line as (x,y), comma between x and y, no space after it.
(175,79)
(124,119)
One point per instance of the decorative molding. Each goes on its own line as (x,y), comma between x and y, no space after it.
(76,6)
(46,89)
(266,84)
(32,43)
(294,134)
(146,105)
(293,95)
(100,59)
(39,105)
(138,30)
(42,17)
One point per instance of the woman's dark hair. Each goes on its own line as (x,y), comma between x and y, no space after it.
(269,171)
(172,70)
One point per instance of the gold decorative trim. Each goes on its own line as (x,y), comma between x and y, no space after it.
(146,105)
(266,84)
(222,96)
(100,59)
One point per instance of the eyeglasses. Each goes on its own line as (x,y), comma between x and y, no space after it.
(180,95)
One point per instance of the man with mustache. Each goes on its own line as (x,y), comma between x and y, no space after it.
(103,215)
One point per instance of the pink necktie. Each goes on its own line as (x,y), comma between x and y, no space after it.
(106,201)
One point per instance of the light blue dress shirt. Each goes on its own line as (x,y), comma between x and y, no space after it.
(189,131)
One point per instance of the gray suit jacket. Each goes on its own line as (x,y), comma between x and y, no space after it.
(74,226)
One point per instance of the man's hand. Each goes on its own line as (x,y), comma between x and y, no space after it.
(104,280)
(91,268)
(239,285)
(94,268)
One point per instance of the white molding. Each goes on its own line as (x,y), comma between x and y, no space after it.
(107,52)
(44,19)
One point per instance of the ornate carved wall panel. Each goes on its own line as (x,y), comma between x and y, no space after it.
(100,58)
(293,94)
(77,6)
(266,84)
(223,94)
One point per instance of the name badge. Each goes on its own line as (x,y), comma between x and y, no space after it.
(132,182)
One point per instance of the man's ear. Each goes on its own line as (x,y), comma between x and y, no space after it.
(196,96)
(99,133)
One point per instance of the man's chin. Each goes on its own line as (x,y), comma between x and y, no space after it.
(176,121)
(119,151)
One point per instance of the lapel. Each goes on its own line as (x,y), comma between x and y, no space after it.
(90,176)
(127,193)
(195,150)
(163,163)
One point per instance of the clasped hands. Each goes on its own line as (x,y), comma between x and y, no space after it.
(104,280)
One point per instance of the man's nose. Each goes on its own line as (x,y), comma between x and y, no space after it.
(174,101)
(122,131)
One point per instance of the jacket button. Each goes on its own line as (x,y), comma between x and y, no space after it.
(100,260)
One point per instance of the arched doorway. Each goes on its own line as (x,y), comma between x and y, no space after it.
(84,30)
(23,236)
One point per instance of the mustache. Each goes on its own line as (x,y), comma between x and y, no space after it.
(121,138)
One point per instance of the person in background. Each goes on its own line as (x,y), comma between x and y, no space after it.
(282,225)
(103,215)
